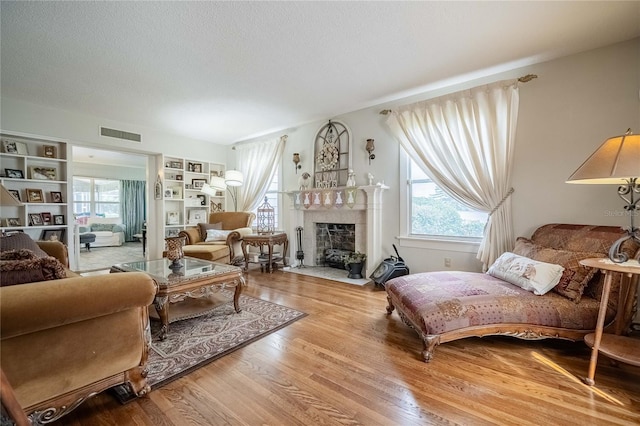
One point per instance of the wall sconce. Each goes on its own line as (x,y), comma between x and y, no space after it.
(370,148)
(296,160)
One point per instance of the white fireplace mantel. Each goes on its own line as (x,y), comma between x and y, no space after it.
(366,213)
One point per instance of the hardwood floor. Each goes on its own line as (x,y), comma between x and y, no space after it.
(347,362)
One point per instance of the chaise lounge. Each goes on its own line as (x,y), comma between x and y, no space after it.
(446,306)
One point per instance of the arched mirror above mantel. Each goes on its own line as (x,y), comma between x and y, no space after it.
(332,155)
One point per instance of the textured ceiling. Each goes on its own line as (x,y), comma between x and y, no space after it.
(228,71)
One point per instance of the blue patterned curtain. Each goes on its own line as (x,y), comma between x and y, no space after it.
(133,206)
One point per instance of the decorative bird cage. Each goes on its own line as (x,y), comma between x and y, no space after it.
(266,218)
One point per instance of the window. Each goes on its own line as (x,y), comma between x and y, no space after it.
(96,197)
(434,213)
(272,197)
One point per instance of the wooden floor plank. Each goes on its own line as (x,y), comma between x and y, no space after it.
(348,362)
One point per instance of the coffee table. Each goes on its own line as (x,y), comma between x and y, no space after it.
(194,282)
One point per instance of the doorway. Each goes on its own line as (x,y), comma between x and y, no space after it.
(109,203)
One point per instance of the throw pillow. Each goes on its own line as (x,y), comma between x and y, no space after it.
(216,235)
(204,227)
(531,275)
(24,271)
(21,254)
(102,227)
(20,240)
(575,276)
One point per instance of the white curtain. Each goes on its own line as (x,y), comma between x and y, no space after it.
(465,142)
(257,161)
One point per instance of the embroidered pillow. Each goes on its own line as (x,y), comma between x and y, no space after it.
(204,227)
(216,235)
(28,268)
(531,275)
(575,276)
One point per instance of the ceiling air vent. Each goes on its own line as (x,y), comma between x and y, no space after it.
(120,134)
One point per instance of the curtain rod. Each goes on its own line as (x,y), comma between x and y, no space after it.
(524,79)
(233,148)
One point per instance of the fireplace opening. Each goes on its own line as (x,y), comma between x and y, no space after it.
(333,242)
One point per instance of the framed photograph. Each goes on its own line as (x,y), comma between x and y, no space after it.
(176,191)
(58,219)
(35,219)
(46,218)
(178,177)
(168,193)
(56,196)
(53,234)
(15,193)
(12,221)
(35,195)
(202,198)
(44,173)
(197,216)
(173,218)
(14,173)
(175,164)
(195,167)
(50,151)
(172,232)
(198,183)
(15,147)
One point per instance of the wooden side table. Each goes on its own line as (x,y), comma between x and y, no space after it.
(269,240)
(620,348)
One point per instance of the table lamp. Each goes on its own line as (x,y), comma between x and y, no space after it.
(616,161)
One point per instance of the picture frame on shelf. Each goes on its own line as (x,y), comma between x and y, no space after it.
(172,232)
(168,193)
(12,221)
(14,173)
(34,195)
(197,216)
(175,164)
(52,234)
(35,219)
(56,196)
(176,191)
(178,177)
(46,218)
(198,183)
(173,218)
(44,173)
(195,167)
(50,151)
(58,219)
(15,193)
(15,147)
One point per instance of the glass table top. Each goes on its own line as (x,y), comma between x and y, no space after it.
(192,268)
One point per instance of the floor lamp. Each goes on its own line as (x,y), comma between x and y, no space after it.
(232,180)
(616,161)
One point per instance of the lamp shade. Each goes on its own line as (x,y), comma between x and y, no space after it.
(233,178)
(217,183)
(207,189)
(616,161)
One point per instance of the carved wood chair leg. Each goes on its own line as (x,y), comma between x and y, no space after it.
(430,343)
(390,307)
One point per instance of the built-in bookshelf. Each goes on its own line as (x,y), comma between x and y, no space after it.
(185,205)
(36,171)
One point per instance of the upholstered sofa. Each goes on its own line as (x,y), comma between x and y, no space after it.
(108,232)
(220,239)
(65,339)
(444,306)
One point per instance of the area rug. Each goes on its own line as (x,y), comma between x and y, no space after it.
(192,343)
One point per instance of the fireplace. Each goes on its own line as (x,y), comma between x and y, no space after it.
(333,242)
(365,216)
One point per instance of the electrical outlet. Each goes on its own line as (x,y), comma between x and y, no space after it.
(447,262)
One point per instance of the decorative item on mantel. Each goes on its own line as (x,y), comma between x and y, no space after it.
(266,218)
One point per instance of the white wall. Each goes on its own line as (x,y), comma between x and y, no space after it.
(565,114)
(109,172)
